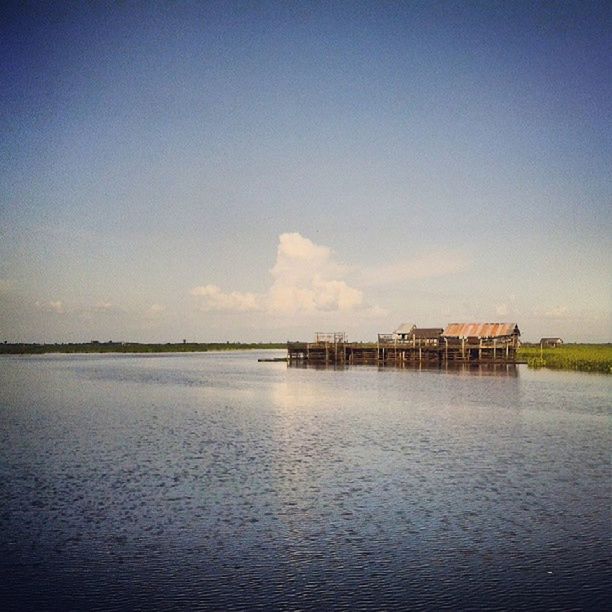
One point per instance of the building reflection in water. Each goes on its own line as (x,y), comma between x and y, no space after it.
(462,369)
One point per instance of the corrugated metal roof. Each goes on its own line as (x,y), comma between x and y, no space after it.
(480,330)
(405,328)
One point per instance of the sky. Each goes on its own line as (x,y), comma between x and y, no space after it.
(260,171)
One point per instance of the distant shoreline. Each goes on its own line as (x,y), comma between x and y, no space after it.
(133,347)
(582,357)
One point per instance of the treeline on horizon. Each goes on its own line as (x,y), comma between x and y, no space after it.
(32,348)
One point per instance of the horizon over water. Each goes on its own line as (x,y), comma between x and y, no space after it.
(212,481)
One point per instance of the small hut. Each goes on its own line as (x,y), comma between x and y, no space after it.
(404,332)
(417,336)
(427,336)
(550,342)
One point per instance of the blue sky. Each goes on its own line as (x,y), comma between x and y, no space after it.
(261,171)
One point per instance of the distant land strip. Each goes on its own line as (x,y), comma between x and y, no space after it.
(133,347)
(582,357)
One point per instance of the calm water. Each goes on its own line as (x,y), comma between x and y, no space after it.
(212,481)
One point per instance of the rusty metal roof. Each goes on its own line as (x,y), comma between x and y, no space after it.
(480,330)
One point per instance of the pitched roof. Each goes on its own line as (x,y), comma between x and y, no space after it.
(405,328)
(481,330)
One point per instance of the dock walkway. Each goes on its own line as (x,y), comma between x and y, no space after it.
(399,353)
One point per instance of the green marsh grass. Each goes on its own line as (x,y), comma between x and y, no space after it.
(583,357)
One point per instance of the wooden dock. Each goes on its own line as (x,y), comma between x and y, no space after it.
(400,353)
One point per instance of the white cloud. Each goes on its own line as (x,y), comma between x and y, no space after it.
(103,307)
(376,312)
(438,263)
(154,311)
(557,312)
(215,300)
(306,278)
(53,306)
(501,310)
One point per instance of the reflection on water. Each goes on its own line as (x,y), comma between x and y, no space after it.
(470,369)
(213,481)
(489,369)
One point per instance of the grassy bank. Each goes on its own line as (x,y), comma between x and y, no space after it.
(133,347)
(583,357)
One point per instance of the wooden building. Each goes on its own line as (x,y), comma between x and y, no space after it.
(459,342)
(427,336)
(404,332)
(478,341)
(550,342)
(507,333)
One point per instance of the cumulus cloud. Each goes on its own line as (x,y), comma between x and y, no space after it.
(215,300)
(53,306)
(306,278)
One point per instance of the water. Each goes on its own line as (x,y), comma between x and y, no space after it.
(212,481)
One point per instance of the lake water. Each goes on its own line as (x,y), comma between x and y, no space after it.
(212,481)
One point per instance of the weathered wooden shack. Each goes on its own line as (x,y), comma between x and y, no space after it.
(404,332)
(413,335)
(550,342)
(427,336)
(481,341)
(459,342)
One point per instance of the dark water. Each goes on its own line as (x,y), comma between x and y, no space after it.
(213,481)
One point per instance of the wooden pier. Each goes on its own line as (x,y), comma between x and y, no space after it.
(333,349)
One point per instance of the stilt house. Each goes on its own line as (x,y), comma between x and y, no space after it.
(480,334)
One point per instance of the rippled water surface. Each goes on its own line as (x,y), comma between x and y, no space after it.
(212,481)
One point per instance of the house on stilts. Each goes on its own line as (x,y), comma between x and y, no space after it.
(458,343)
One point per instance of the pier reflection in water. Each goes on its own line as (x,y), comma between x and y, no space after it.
(215,482)
(468,369)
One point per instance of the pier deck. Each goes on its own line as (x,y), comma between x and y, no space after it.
(399,353)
